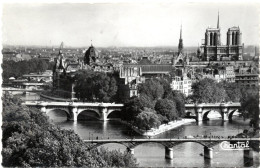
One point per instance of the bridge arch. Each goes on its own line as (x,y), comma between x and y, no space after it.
(52,110)
(114,113)
(206,112)
(230,114)
(190,113)
(101,144)
(86,113)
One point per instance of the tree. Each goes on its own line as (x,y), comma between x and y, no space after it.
(166,108)
(147,119)
(165,82)
(208,91)
(116,158)
(250,108)
(147,101)
(95,86)
(179,99)
(151,88)
(233,91)
(131,109)
(17,69)
(41,66)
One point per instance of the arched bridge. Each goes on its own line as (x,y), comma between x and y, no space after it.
(102,110)
(73,109)
(200,111)
(207,143)
(21,90)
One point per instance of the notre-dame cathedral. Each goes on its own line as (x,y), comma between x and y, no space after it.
(215,51)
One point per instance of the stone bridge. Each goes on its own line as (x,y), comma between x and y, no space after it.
(39,77)
(73,109)
(21,90)
(200,111)
(103,110)
(206,143)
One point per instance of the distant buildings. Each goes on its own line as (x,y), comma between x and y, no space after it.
(65,67)
(248,80)
(182,84)
(225,73)
(248,76)
(216,61)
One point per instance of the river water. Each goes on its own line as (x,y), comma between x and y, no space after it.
(152,154)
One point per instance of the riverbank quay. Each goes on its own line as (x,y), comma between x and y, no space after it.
(161,129)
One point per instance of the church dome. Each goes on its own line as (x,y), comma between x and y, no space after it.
(90,55)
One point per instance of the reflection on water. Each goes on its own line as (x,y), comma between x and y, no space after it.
(152,154)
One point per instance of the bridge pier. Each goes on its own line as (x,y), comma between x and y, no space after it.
(130,150)
(73,113)
(168,153)
(43,109)
(103,112)
(248,157)
(208,152)
(199,114)
(224,112)
(248,153)
(73,93)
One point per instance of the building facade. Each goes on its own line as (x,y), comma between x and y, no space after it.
(215,51)
(182,84)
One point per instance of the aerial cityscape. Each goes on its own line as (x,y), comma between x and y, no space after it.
(130,85)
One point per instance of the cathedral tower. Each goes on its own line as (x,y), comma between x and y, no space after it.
(180,46)
(215,51)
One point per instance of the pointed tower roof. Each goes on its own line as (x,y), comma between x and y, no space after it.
(61,47)
(218,21)
(180,46)
(181,32)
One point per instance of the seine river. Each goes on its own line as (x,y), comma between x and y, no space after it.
(152,154)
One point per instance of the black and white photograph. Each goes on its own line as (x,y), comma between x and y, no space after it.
(130,84)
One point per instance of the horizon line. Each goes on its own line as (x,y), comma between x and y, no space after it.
(68,46)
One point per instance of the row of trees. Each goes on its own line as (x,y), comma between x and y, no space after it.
(250,106)
(157,104)
(30,140)
(17,69)
(95,86)
(209,91)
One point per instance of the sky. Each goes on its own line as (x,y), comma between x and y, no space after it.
(124,24)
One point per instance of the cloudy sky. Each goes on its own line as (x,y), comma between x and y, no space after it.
(124,24)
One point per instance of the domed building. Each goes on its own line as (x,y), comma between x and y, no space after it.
(91,55)
(95,62)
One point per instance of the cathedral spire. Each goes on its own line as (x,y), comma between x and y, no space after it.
(181,32)
(218,21)
(180,46)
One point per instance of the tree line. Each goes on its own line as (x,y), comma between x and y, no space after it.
(95,86)
(209,91)
(31,140)
(17,69)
